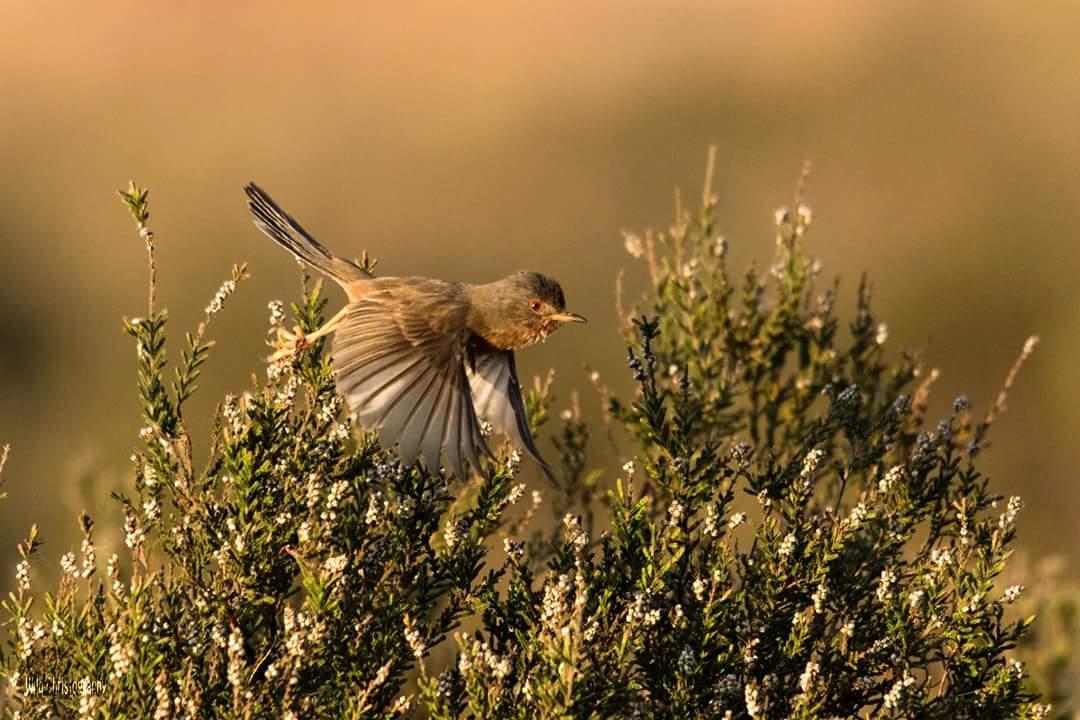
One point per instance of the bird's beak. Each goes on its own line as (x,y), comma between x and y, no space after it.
(566,317)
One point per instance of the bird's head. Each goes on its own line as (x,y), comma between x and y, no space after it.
(522,309)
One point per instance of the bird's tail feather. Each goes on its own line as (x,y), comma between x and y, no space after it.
(280,227)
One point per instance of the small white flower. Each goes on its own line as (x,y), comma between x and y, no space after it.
(112,570)
(303,533)
(915,599)
(218,302)
(1012,594)
(973,605)
(787,547)
(67,564)
(676,510)
(237,660)
(513,550)
(575,536)
(556,601)
(898,692)
(736,520)
(885,584)
(89,557)
(941,557)
(856,517)
(893,476)
(415,640)
(22,575)
(882,334)
(1039,711)
(628,467)
(335,564)
(633,244)
(1008,518)
(809,676)
(500,667)
(328,411)
(120,655)
(811,462)
(700,586)
(819,597)
(753,707)
(712,521)
(719,248)
(516,493)
(452,534)
(750,651)
(277,312)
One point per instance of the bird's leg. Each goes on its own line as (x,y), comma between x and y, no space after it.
(288,343)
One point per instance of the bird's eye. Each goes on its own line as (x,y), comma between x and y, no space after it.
(535,306)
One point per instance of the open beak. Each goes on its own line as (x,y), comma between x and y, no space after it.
(566,317)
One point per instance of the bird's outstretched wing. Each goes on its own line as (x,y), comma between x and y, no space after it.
(399,356)
(496,394)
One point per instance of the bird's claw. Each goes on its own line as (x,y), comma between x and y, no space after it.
(287,343)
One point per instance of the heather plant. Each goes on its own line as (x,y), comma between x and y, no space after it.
(789,535)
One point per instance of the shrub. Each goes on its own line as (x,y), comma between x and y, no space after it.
(788,537)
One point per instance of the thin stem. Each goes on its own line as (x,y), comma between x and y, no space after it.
(148,235)
(710,168)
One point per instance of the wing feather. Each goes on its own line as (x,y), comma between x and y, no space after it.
(393,375)
(400,406)
(452,434)
(432,443)
(399,359)
(473,438)
(497,398)
(412,426)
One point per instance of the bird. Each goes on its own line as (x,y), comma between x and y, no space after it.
(424,361)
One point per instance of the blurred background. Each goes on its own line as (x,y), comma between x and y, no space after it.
(466,141)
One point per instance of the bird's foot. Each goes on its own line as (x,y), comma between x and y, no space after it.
(288,343)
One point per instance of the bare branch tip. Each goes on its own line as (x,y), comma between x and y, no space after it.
(710,170)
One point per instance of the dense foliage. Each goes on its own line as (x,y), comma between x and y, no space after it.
(788,537)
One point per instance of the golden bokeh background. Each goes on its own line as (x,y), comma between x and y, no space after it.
(466,140)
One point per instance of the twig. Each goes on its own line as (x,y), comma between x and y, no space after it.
(710,168)
(137,201)
(999,404)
